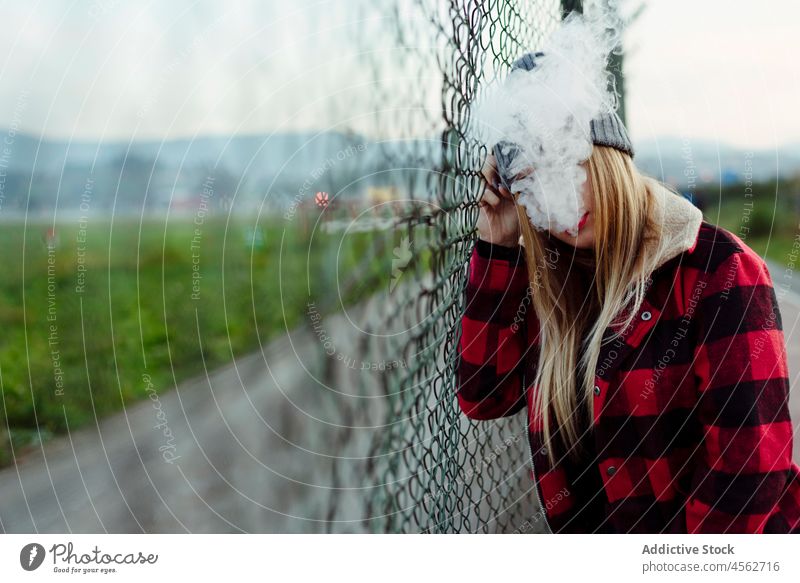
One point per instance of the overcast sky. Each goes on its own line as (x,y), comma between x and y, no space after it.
(713,69)
(716,69)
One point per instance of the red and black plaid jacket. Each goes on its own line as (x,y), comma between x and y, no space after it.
(691,426)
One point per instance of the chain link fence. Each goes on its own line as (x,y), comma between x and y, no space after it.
(424,466)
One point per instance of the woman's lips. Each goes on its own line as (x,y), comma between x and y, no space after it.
(583,220)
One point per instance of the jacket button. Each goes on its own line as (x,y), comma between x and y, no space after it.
(611,470)
(646,316)
(596,390)
(543,451)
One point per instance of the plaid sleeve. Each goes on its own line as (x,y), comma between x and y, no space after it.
(491,350)
(741,365)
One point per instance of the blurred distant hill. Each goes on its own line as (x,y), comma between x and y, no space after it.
(250,170)
(245,170)
(677,161)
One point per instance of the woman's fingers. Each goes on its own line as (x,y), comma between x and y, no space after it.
(492,180)
(494,185)
(489,165)
(504,192)
(489,172)
(490,198)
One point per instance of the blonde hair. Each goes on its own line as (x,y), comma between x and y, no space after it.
(623,261)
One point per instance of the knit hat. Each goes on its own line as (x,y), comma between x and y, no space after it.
(607,130)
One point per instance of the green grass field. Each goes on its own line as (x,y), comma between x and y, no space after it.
(767,222)
(86,324)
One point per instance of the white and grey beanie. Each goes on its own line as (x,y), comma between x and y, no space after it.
(607,130)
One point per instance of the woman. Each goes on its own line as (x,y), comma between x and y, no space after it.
(681,424)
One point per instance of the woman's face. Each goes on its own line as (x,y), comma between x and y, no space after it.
(585,236)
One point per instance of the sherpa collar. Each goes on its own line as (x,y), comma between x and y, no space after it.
(679,219)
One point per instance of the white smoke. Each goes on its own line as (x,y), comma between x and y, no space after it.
(546,112)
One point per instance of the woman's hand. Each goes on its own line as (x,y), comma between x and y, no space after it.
(498,221)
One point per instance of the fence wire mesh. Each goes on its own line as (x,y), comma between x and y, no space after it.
(425,467)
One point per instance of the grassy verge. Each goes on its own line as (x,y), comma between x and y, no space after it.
(113,311)
(765,216)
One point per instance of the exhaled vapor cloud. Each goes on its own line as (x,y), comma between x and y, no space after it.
(546,113)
